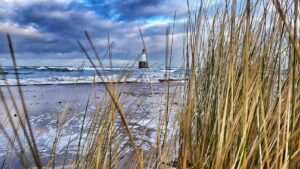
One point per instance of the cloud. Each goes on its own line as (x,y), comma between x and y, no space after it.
(50,29)
(131,10)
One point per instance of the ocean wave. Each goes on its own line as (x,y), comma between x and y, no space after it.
(77,80)
(57,69)
(68,75)
(13,73)
(42,68)
(168,70)
(72,69)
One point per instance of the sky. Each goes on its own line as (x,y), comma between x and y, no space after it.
(45,33)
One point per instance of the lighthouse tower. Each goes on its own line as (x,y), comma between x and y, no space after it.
(143,63)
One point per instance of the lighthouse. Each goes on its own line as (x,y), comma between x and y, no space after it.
(143,63)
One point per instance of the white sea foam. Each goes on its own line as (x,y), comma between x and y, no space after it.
(66,80)
(73,68)
(42,68)
(78,80)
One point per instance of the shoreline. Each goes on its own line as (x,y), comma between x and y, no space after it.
(160,81)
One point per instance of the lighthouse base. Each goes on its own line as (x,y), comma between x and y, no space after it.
(143,64)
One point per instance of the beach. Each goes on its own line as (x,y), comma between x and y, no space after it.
(142,103)
(150,84)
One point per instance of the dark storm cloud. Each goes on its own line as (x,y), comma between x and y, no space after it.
(136,9)
(124,10)
(41,29)
(59,27)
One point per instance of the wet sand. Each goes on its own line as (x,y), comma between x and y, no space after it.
(45,103)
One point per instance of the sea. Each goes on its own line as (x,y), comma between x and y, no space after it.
(46,75)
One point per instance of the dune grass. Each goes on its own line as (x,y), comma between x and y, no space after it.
(242,103)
